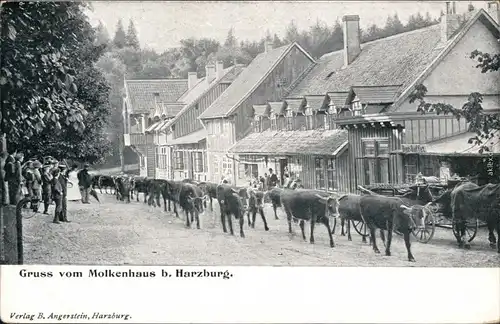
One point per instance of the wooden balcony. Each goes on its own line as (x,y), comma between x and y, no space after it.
(134,139)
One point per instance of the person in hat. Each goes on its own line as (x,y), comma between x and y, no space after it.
(63,179)
(16,182)
(36,185)
(57,194)
(46,187)
(85,183)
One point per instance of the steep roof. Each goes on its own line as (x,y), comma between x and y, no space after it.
(319,142)
(395,60)
(141,93)
(246,82)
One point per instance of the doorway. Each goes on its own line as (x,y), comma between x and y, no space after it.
(283,170)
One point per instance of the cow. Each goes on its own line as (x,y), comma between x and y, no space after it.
(232,202)
(274,195)
(309,205)
(105,181)
(348,209)
(140,184)
(191,199)
(123,186)
(469,200)
(256,204)
(388,213)
(210,190)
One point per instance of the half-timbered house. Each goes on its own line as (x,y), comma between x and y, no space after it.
(230,117)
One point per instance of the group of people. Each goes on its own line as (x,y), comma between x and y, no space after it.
(271,180)
(50,182)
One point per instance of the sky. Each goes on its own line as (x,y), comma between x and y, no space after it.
(162,24)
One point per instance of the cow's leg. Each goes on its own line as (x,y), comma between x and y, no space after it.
(349,237)
(188,223)
(498,233)
(289,219)
(382,235)
(334,225)
(406,236)
(197,219)
(211,205)
(223,219)
(311,237)
(327,224)
(373,240)
(261,212)
(164,203)
(389,240)
(491,234)
(169,209)
(302,224)
(175,210)
(230,223)
(274,208)
(250,219)
(342,224)
(242,222)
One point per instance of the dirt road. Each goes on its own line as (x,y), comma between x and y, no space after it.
(116,233)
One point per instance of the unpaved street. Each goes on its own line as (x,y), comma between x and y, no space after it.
(117,233)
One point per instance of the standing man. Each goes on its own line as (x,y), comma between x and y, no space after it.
(85,182)
(46,187)
(57,192)
(273,179)
(36,185)
(63,179)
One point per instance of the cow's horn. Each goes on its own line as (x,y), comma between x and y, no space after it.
(321,197)
(405,207)
(235,191)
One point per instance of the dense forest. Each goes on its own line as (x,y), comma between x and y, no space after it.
(124,57)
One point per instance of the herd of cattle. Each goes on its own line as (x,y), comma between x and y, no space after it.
(299,204)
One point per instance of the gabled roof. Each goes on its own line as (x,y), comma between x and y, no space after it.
(316,102)
(276,107)
(140,93)
(374,95)
(295,105)
(318,142)
(192,138)
(248,80)
(260,110)
(338,98)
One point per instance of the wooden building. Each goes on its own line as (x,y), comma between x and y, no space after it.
(183,154)
(148,104)
(229,118)
(368,86)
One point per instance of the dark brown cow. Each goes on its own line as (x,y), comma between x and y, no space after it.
(232,202)
(256,204)
(191,201)
(210,190)
(309,205)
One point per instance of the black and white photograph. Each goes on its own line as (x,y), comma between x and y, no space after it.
(265,133)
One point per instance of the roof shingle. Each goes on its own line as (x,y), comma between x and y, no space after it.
(318,142)
(141,93)
(248,79)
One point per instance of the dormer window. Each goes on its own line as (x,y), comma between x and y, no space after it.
(309,117)
(156,94)
(356,107)
(257,124)
(332,110)
(289,119)
(274,124)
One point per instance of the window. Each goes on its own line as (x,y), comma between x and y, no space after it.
(376,161)
(331,174)
(309,118)
(274,124)
(249,170)
(157,153)
(356,107)
(289,120)
(210,128)
(227,166)
(216,165)
(198,161)
(411,168)
(257,124)
(327,121)
(179,160)
(320,173)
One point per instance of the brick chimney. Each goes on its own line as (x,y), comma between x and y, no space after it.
(268,45)
(352,38)
(219,70)
(450,22)
(210,72)
(192,79)
(494,10)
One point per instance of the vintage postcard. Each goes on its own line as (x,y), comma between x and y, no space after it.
(166,147)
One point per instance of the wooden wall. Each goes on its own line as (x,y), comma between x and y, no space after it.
(290,68)
(355,137)
(187,122)
(151,156)
(431,128)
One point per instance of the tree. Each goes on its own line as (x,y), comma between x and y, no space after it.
(102,34)
(485,125)
(292,33)
(131,38)
(231,40)
(120,38)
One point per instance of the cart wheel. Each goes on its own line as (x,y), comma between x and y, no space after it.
(23,208)
(471,227)
(361,228)
(425,234)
